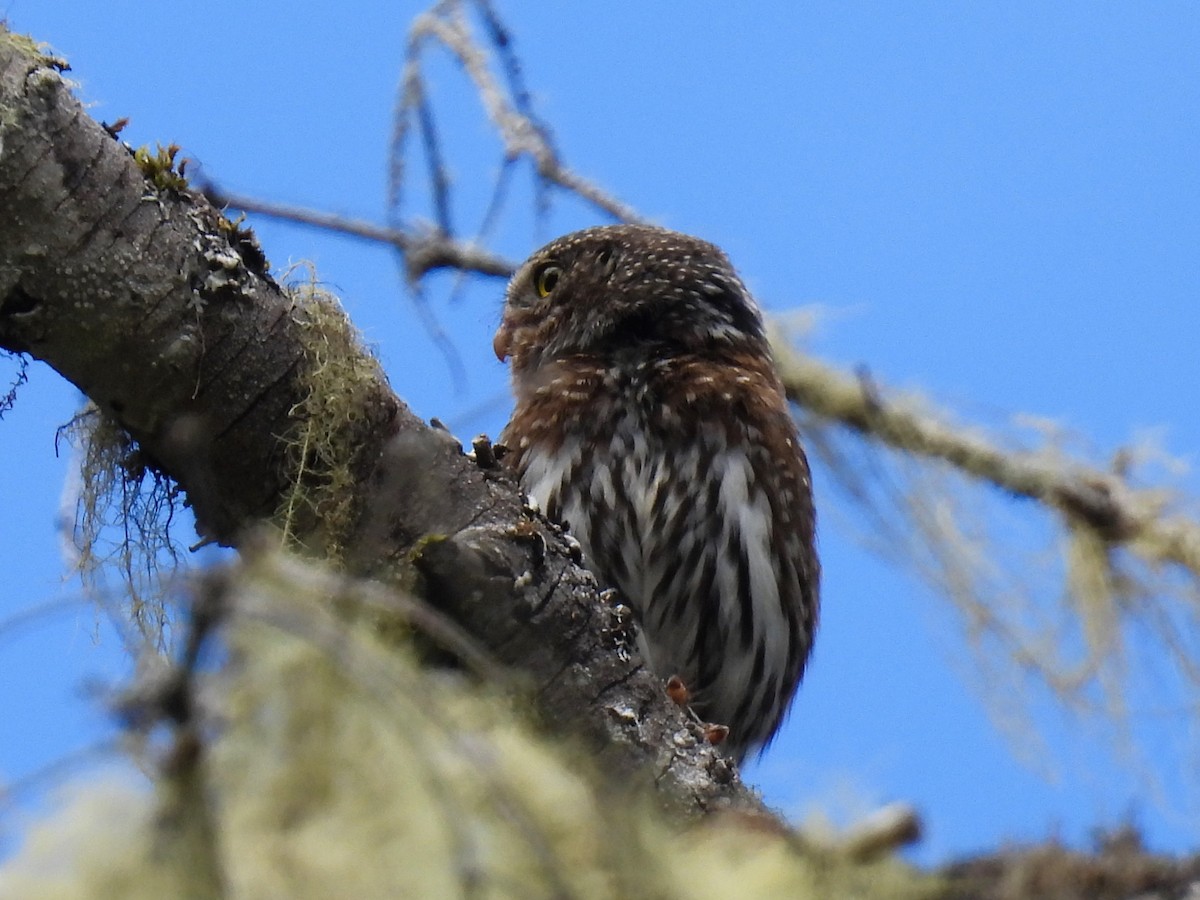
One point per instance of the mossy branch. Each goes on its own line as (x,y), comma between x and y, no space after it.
(1102,501)
(1129,555)
(262,404)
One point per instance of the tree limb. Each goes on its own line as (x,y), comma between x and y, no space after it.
(139,292)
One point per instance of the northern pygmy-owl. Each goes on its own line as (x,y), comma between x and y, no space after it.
(649,418)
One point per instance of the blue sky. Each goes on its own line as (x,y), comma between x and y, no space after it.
(997,203)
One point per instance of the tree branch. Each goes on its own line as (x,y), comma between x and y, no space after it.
(139,292)
(1102,501)
(423,252)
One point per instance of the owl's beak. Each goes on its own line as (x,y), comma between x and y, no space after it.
(500,343)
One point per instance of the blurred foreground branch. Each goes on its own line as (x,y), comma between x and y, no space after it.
(324,761)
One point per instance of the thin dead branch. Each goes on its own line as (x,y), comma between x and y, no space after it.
(1127,557)
(425,251)
(507,106)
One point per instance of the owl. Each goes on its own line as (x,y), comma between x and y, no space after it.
(650,420)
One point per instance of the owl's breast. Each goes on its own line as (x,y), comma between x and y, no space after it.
(590,440)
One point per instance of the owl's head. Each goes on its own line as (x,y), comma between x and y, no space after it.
(623,289)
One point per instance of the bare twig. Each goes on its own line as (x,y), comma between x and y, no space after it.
(21,377)
(510,111)
(424,251)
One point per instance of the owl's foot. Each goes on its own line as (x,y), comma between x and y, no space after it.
(716,734)
(677,690)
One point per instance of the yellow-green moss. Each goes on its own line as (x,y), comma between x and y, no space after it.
(159,167)
(343,768)
(121,523)
(339,380)
(38,50)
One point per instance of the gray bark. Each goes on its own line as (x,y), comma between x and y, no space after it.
(142,296)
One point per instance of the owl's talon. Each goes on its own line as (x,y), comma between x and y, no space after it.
(716,734)
(678,691)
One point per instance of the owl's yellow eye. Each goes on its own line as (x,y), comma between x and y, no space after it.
(545,278)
